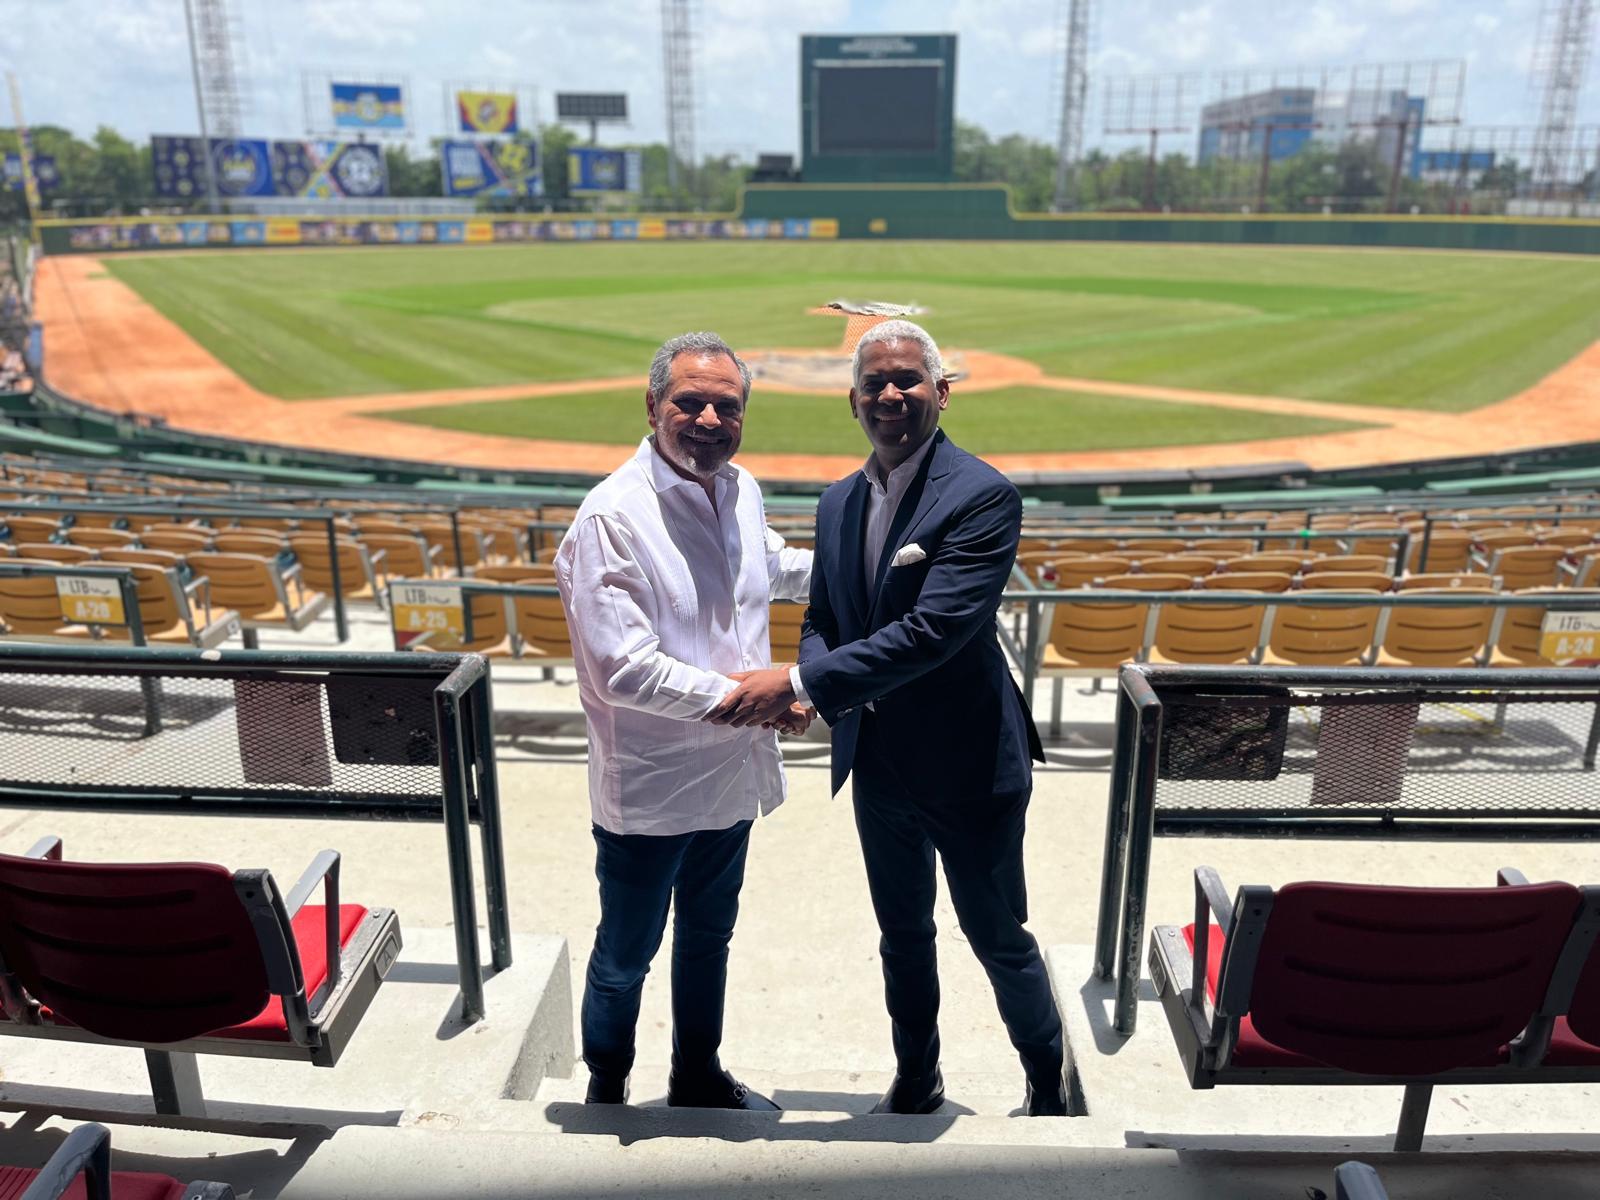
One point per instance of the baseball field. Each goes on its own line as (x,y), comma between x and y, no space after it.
(1380,330)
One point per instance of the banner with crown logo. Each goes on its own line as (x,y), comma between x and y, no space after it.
(487,112)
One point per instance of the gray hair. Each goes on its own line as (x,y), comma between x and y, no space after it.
(702,344)
(900,331)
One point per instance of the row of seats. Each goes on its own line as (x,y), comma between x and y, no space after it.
(199,599)
(1095,638)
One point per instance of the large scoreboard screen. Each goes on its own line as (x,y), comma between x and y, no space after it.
(865,109)
(877,108)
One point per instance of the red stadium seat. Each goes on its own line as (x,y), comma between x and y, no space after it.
(1331,983)
(81,1170)
(111,952)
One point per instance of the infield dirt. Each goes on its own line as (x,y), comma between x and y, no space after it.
(108,347)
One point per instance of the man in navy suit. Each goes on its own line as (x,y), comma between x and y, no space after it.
(899,656)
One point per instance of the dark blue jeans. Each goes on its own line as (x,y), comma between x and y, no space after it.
(699,875)
(979,840)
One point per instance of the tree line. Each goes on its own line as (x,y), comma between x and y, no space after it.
(107,174)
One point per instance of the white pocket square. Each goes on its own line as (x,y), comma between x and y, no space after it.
(907,555)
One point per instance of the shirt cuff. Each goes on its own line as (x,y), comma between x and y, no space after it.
(799,687)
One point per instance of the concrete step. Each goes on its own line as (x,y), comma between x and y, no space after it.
(995,1094)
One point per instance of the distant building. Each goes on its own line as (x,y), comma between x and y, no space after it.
(1283,121)
(1452,166)
(1278,121)
(1380,118)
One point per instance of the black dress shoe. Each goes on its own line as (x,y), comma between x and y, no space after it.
(913,1096)
(1047,1101)
(721,1090)
(606,1089)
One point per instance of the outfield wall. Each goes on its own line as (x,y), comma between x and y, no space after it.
(802,212)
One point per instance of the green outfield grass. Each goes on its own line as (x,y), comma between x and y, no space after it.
(1014,420)
(1430,330)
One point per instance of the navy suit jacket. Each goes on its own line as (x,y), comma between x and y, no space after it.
(922,645)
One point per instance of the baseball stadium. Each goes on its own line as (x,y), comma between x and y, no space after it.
(309,408)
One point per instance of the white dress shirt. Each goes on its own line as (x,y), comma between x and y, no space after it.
(883,503)
(667,595)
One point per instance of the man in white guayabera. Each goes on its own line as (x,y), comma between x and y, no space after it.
(667,575)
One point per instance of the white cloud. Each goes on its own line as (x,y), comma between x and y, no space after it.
(88,62)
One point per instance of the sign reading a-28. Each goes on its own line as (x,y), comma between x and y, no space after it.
(90,600)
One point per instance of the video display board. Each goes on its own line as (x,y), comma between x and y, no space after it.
(877,108)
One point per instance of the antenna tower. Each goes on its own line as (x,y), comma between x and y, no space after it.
(1074,97)
(216,83)
(677,52)
(1566,36)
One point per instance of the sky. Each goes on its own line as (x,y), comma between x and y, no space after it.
(125,63)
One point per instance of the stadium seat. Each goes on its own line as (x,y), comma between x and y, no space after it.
(1519,567)
(541,629)
(1436,637)
(1446,581)
(544,573)
(1076,572)
(1087,639)
(1347,562)
(1192,566)
(167,610)
(783,629)
(249,541)
(265,594)
(95,539)
(1248,581)
(80,1169)
(30,608)
(283,978)
(31,529)
(1314,635)
(1139,548)
(56,552)
(179,541)
(1287,564)
(405,555)
(362,572)
(441,537)
(1448,550)
(1210,633)
(1338,983)
(1521,630)
(1345,581)
(490,632)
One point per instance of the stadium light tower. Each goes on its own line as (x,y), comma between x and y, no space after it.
(1561,54)
(1074,96)
(216,83)
(677,52)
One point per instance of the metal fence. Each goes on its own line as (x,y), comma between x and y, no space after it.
(1336,752)
(268,733)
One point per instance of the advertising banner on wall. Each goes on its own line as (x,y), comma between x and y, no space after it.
(243,166)
(45,173)
(368,105)
(486,112)
(325,170)
(144,233)
(484,168)
(255,167)
(591,169)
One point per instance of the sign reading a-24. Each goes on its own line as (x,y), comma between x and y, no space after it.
(1570,639)
(90,600)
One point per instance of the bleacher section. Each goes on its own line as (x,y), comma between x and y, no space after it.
(200,666)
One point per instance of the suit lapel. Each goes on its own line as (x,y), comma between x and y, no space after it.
(918,501)
(853,521)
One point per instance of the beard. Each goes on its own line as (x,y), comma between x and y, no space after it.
(700,459)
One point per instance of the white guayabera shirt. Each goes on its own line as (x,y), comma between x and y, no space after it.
(666,596)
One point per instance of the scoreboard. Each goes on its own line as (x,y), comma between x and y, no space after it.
(877,108)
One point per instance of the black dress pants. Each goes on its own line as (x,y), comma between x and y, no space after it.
(979,840)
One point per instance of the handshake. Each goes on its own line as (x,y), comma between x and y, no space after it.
(763,698)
